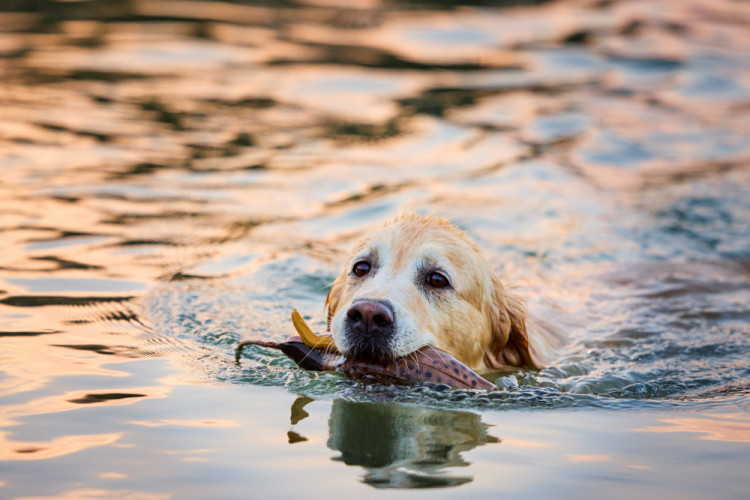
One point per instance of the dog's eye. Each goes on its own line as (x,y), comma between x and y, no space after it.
(361,268)
(437,280)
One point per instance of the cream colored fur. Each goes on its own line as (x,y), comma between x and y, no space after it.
(476,319)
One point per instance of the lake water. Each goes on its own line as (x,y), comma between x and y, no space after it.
(177,176)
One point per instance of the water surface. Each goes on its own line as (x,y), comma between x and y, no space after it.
(176,176)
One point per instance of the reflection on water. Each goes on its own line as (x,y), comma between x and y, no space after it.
(714,427)
(402,446)
(65,445)
(177,175)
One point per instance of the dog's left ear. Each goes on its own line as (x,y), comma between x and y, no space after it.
(510,341)
(334,298)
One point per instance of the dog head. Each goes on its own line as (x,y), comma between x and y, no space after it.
(420,281)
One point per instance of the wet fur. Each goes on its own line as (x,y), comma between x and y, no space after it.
(477,320)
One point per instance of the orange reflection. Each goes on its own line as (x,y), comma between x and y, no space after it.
(461,36)
(73,400)
(32,363)
(638,467)
(589,458)
(521,443)
(183,452)
(92,494)
(42,450)
(734,428)
(111,475)
(186,423)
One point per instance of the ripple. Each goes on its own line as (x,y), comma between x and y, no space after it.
(102,397)
(76,285)
(59,300)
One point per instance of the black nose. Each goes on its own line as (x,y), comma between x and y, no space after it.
(370,315)
(370,327)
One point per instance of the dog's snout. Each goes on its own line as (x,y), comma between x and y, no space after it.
(370,327)
(369,313)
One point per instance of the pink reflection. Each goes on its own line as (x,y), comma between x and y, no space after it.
(94,494)
(589,458)
(522,443)
(42,450)
(111,475)
(733,428)
(74,400)
(186,423)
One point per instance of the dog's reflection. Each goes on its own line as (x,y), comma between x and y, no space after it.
(403,446)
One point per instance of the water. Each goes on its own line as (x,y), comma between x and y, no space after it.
(176,176)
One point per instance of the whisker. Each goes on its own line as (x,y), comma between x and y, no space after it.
(440,355)
(428,356)
(416,360)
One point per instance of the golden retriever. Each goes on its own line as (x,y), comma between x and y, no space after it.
(420,281)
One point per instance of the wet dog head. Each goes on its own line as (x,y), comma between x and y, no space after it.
(420,281)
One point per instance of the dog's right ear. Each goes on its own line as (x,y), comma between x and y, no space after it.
(334,298)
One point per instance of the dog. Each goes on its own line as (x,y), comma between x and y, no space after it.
(420,281)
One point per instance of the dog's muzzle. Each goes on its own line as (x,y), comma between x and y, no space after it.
(370,326)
